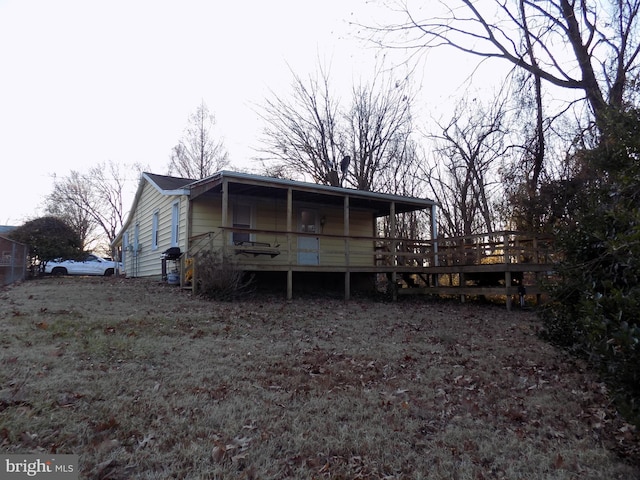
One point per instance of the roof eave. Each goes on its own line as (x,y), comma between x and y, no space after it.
(201,186)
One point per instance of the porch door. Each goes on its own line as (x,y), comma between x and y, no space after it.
(308,245)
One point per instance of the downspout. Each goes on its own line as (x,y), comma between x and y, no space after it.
(189,222)
(184,258)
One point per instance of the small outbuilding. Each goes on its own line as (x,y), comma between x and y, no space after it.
(14,258)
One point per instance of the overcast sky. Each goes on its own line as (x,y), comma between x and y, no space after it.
(87,81)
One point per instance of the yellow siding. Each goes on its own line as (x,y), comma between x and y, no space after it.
(269,222)
(266,215)
(205,216)
(332,250)
(146,261)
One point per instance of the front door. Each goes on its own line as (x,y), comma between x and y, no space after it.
(308,245)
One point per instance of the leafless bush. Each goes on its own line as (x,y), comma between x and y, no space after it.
(219,278)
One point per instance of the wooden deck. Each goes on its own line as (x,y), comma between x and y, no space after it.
(501,263)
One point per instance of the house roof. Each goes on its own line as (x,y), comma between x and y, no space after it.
(165,183)
(10,240)
(6,228)
(257,185)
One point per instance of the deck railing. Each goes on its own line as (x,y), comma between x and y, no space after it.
(498,247)
(277,248)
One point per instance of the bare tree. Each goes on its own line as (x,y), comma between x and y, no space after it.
(529,163)
(354,146)
(107,181)
(405,178)
(91,202)
(379,129)
(198,154)
(303,131)
(588,46)
(61,203)
(535,150)
(463,175)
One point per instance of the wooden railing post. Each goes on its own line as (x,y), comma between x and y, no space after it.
(434,236)
(505,242)
(394,246)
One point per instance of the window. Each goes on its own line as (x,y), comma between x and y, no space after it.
(175,223)
(241,219)
(308,221)
(5,259)
(154,230)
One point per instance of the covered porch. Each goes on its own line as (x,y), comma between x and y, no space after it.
(507,263)
(274,225)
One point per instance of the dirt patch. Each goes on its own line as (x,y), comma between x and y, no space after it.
(144,381)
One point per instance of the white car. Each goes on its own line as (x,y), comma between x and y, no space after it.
(91,265)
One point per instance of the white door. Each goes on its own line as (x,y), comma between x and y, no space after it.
(308,245)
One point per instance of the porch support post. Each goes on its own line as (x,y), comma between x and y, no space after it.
(347,258)
(394,257)
(507,274)
(434,235)
(225,213)
(289,243)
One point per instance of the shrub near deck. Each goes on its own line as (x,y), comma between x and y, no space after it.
(144,381)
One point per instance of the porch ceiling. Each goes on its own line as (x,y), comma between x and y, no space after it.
(255,186)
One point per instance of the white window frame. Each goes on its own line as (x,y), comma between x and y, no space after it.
(155,232)
(175,223)
(251,207)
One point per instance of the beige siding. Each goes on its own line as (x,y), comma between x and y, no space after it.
(146,260)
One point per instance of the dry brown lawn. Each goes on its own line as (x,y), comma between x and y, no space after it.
(144,381)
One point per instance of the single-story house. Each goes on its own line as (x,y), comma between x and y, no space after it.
(269,225)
